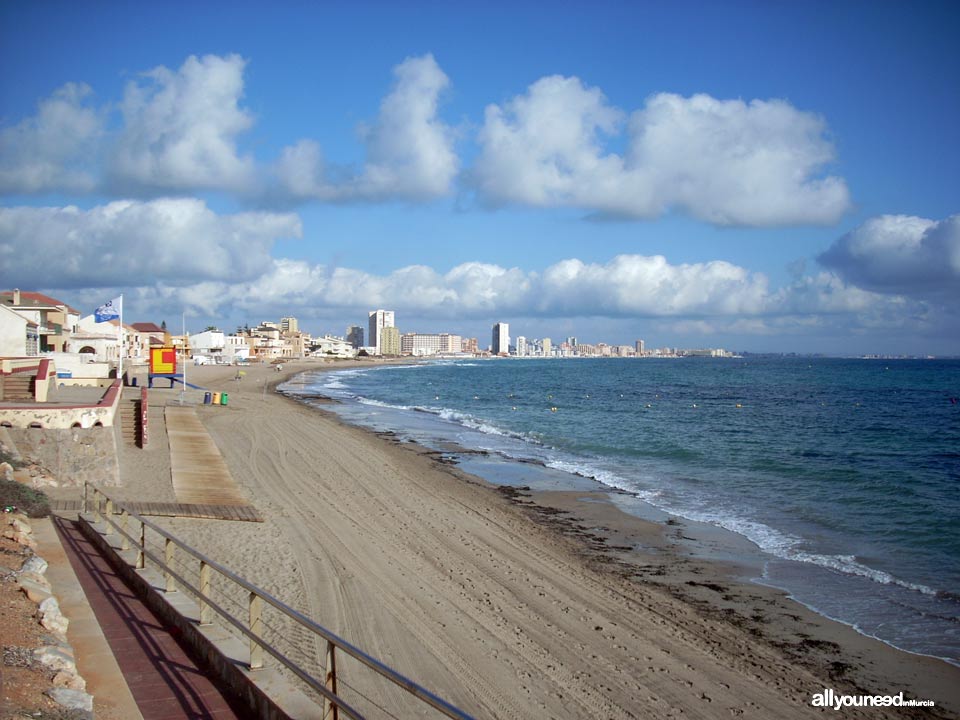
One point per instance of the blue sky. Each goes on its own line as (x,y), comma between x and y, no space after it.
(759,176)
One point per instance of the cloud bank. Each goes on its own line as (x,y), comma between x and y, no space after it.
(173,254)
(131,243)
(180,128)
(901,254)
(726,162)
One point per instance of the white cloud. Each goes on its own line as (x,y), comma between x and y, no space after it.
(651,287)
(129,243)
(55,149)
(180,128)
(901,254)
(627,286)
(409,151)
(544,149)
(724,161)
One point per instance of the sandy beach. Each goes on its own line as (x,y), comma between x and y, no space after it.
(507,603)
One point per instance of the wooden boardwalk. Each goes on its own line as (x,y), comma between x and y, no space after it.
(202,482)
(200,474)
(246,513)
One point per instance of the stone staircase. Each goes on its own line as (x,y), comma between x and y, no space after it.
(131,430)
(17,386)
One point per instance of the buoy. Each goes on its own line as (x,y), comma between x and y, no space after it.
(739,405)
(514,407)
(694,404)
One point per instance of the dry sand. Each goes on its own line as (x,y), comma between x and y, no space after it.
(507,604)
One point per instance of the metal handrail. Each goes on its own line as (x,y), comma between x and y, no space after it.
(333,640)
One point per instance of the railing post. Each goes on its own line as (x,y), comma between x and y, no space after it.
(85,486)
(142,550)
(331,709)
(168,548)
(108,530)
(206,612)
(124,540)
(96,505)
(256,629)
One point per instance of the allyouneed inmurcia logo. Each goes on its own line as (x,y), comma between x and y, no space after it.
(830,699)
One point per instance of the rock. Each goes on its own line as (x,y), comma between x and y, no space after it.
(21,524)
(65,678)
(33,577)
(6,471)
(51,618)
(71,699)
(34,564)
(55,658)
(21,538)
(35,591)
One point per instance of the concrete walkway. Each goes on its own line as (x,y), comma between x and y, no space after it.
(157,673)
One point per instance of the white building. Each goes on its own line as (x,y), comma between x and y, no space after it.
(501,339)
(236,348)
(379,319)
(209,343)
(330,346)
(18,335)
(422,344)
(522,349)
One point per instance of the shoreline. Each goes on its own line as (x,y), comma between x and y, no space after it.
(632,558)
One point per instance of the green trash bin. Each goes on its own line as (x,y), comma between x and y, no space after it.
(223,398)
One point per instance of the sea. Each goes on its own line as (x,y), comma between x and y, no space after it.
(842,474)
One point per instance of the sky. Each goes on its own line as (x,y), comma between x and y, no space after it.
(780,177)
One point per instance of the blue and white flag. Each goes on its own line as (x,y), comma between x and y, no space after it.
(110,310)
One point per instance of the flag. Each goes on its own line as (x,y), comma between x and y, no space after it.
(110,310)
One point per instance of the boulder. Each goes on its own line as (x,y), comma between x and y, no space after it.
(51,618)
(34,564)
(55,658)
(36,591)
(72,699)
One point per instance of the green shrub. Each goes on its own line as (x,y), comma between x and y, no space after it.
(6,457)
(30,502)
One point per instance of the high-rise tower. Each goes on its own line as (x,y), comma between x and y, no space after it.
(379,319)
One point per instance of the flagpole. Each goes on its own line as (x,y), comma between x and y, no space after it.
(120,364)
(183,354)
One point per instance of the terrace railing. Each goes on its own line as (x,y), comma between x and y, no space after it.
(213,593)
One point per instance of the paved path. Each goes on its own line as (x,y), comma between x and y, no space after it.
(200,474)
(163,680)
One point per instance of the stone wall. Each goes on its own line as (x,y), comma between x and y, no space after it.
(71,455)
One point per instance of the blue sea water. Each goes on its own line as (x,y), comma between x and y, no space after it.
(844,473)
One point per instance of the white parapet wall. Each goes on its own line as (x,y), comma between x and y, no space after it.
(61,417)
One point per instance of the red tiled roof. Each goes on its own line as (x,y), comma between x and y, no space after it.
(28,297)
(147,327)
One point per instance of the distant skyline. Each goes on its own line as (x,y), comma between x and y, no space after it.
(757,176)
